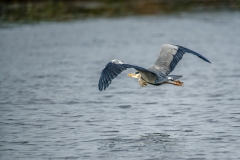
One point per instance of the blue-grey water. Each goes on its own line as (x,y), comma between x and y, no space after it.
(51,108)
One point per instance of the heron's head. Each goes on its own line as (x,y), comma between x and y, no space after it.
(135,75)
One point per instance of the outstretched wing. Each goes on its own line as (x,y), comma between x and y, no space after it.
(112,70)
(170,55)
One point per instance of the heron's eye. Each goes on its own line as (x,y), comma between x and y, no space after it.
(137,73)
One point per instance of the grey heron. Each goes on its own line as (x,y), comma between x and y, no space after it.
(157,74)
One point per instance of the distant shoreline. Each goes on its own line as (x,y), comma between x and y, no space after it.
(51,10)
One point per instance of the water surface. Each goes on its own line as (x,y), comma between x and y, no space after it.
(51,107)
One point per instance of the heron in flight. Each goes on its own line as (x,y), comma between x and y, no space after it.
(157,74)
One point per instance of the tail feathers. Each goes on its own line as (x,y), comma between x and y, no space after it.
(174,77)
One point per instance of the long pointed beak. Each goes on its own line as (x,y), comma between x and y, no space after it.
(130,75)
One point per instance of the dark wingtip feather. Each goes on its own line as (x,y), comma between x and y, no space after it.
(202,57)
(100,86)
(193,52)
(100,83)
(208,61)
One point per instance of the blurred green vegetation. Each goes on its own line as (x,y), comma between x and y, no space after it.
(48,10)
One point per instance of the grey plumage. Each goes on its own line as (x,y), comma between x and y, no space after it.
(158,74)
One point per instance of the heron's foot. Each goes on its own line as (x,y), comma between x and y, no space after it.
(178,83)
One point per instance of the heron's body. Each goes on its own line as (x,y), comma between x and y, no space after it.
(157,74)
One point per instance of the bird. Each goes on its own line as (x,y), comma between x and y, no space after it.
(157,74)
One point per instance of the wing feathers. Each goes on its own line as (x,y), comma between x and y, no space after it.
(193,52)
(170,55)
(112,70)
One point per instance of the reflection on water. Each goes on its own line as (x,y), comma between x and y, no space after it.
(160,143)
(51,107)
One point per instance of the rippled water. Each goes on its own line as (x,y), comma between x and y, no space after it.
(51,108)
